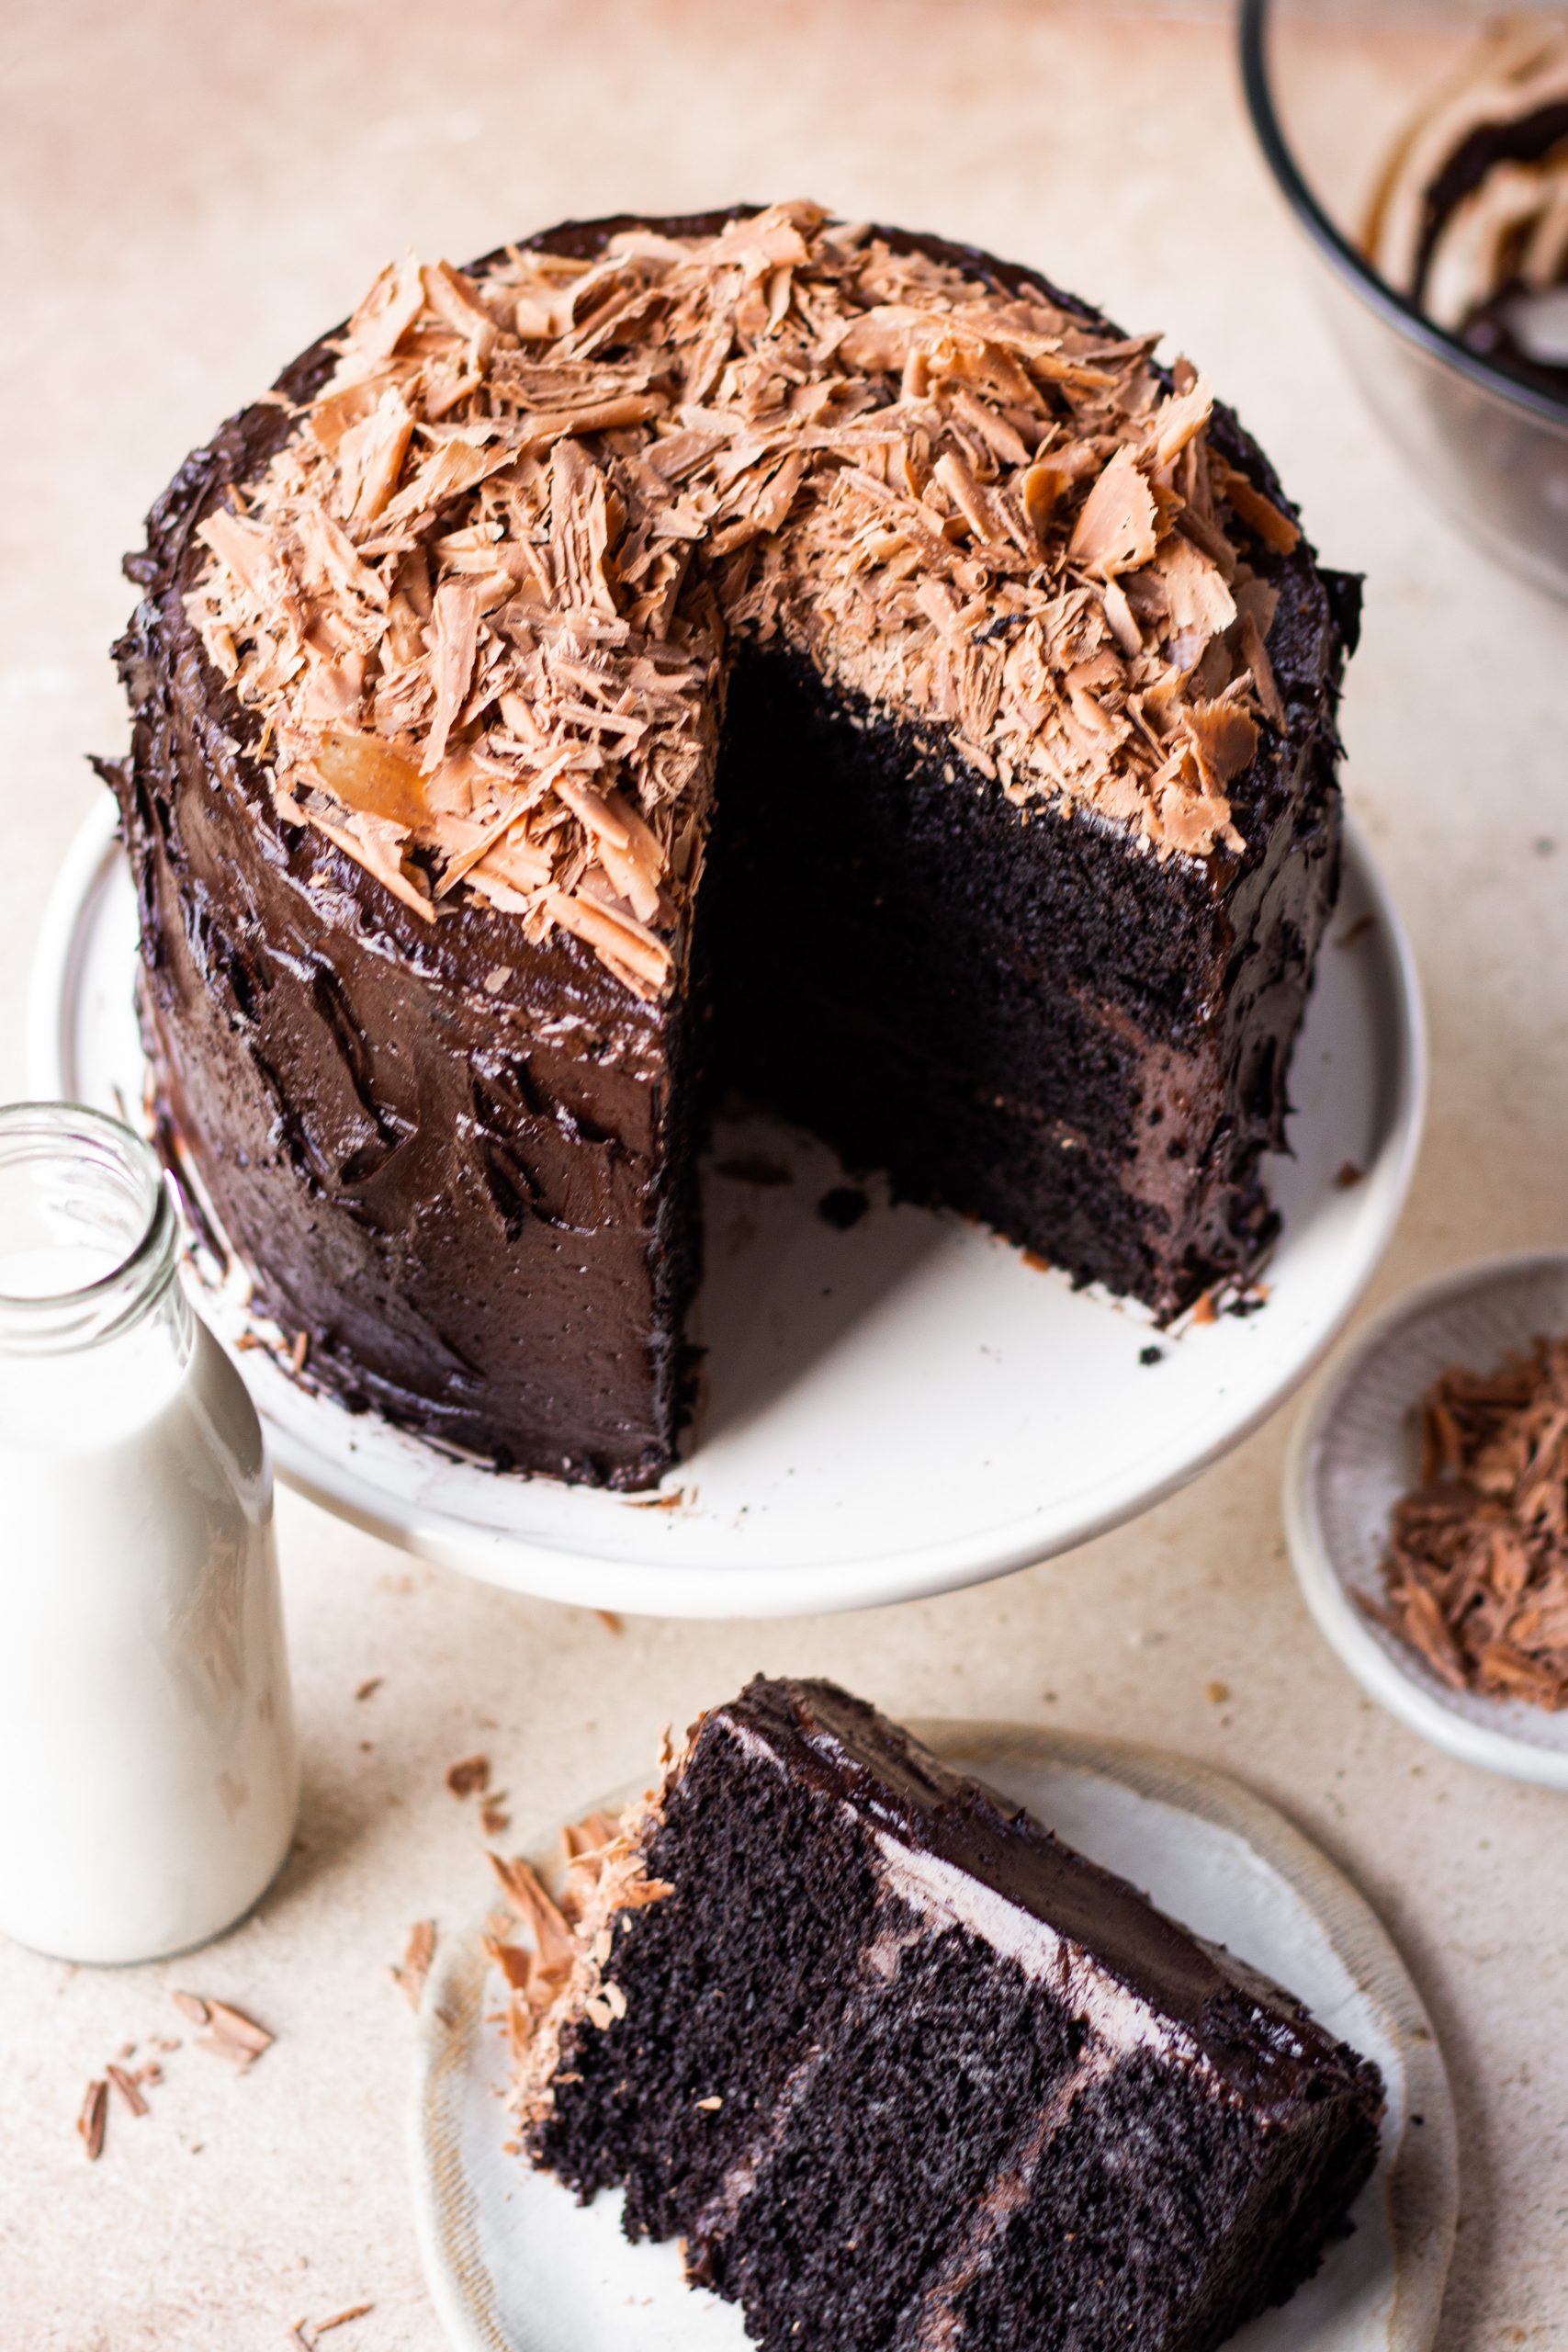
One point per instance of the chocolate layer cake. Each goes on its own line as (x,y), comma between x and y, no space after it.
(746,650)
(909,2074)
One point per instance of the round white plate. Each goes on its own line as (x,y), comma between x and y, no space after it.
(515,2265)
(889,1411)
(1357,1449)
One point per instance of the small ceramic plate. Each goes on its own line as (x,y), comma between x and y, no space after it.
(1357,1449)
(891,1410)
(515,2265)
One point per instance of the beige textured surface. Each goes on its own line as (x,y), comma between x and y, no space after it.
(189,192)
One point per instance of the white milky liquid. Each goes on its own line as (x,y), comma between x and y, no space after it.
(148,1772)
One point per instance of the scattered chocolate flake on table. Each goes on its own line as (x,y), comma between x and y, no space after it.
(231,2035)
(1151,1355)
(369,1688)
(844,1206)
(1476,1571)
(752,1167)
(340,2319)
(493,1818)
(130,2088)
(306,2333)
(1216,1693)
(469,1776)
(415,1967)
(93,2118)
(611,1623)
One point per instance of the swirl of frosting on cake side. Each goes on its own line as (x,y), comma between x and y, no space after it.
(485,594)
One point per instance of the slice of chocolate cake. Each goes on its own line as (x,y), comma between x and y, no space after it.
(907,2074)
(752,649)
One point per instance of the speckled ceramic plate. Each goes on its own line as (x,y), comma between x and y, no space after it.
(515,2265)
(1357,1449)
(891,1410)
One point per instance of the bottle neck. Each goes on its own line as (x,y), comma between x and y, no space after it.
(89,1241)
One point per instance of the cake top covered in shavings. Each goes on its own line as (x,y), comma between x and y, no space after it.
(484,596)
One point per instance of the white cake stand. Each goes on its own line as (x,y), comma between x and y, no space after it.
(890,1411)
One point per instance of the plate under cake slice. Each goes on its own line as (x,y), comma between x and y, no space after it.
(750,649)
(905,2073)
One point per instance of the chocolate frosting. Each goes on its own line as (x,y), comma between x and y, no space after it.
(462,1164)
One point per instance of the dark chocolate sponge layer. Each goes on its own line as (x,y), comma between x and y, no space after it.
(465,1167)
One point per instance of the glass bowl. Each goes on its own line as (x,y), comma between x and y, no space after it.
(1330,84)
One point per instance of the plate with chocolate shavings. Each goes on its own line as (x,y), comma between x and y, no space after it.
(514,2264)
(1427,1506)
(893,1401)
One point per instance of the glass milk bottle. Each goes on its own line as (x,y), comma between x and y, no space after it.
(148,1772)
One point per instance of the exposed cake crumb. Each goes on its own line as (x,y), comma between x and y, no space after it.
(842,1207)
(1476,1571)
(482,596)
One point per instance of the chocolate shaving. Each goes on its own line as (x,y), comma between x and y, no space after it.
(1476,1571)
(559,1976)
(233,2036)
(128,2087)
(92,2121)
(484,598)
(416,1961)
(469,1776)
